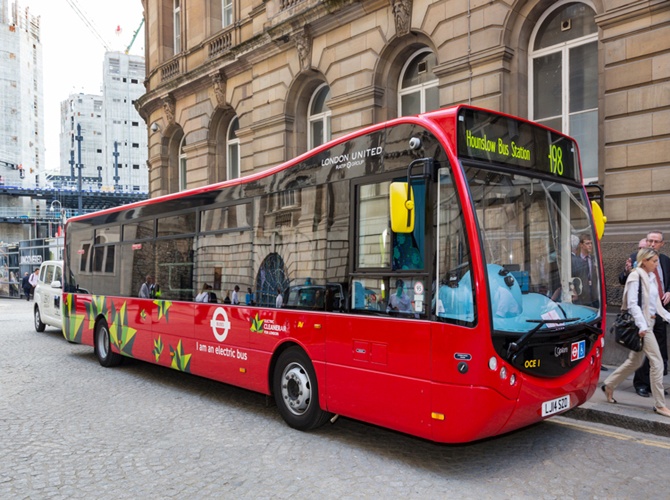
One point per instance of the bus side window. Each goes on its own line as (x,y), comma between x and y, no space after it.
(368,294)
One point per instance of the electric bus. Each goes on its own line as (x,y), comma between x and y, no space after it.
(424,274)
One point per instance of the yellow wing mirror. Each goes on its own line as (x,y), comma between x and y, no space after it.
(402,207)
(599,219)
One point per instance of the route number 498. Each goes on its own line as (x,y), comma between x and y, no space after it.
(556,160)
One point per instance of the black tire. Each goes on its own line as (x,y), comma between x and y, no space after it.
(296,391)
(103,347)
(39,326)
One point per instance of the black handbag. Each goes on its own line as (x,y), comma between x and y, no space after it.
(626,333)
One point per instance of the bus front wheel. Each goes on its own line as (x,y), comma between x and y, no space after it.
(103,347)
(296,391)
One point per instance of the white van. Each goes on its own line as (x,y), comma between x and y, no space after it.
(48,295)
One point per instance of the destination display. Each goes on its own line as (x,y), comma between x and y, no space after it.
(502,140)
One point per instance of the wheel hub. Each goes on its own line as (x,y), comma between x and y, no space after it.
(296,389)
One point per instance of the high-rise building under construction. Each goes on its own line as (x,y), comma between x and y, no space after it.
(21,97)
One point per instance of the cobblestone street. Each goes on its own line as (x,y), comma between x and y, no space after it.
(72,429)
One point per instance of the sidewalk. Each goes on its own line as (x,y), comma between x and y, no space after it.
(630,412)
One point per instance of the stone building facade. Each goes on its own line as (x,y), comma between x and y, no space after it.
(237,86)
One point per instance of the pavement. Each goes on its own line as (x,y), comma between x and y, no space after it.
(630,412)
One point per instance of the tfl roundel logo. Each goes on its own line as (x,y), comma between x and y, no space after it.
(577,350)
(220,324)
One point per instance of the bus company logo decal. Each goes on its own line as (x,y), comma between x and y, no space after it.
(219,324)
(559,351)
(577,350)
(353,159)
(267,326)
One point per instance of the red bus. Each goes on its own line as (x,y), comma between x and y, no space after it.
(420,274)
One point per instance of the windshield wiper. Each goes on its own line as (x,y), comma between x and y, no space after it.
(515,347)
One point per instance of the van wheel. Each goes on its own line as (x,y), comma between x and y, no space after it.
(103,347)
(39,326)
(296,391)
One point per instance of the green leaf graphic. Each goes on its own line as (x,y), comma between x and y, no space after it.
(97,306)
(158,348)
(163,307)
(257,325)
(121,335)
(73,323)
(180,360)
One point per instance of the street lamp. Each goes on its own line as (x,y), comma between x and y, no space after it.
(61,212)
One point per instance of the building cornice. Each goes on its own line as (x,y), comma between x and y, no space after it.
(644,9)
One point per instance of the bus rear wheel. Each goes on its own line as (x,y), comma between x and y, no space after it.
(296,391)
(103,347)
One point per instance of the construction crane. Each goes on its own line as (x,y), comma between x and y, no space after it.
(135,36)
(82,15)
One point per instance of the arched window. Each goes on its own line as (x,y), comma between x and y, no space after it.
(564,77)
(271,277)
(418,86)
(233,150)
(182,165)
(176,18)
(319,117)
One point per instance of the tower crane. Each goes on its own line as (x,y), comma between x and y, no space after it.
(82,15)
(135,35)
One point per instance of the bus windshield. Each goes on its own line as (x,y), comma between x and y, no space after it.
(539,250)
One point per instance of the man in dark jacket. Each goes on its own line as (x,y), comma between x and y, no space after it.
(585,268)
(655,241)
(25,284)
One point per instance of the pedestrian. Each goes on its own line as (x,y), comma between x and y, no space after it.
(146,290)
(236,299)
(249,299)
(279,301)
(645,313)
(587,271)
(25,284)
(630,262)
(203,296)
(227,299)
(34,279)
(655,241)
(13,282)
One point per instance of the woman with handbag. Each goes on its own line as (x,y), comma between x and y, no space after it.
(643,279)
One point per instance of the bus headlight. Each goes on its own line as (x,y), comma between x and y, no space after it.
(493,363)
(503,373)
(512,379)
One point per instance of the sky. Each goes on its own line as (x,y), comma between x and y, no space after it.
(73,56)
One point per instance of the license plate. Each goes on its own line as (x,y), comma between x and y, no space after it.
(555,406)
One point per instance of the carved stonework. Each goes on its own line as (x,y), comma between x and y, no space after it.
(402,12)
(169,108)
(303,44)
(219,85)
